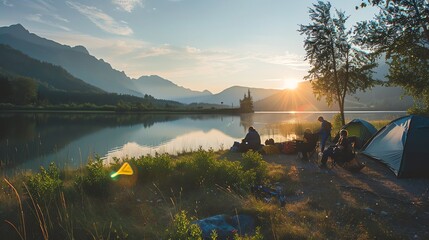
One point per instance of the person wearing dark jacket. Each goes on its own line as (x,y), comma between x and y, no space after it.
(251,141)
(308,144)
(342,146)
(325,132)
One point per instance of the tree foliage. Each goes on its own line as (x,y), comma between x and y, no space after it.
(246,104)
(399,32)
(17,90)
(338,68)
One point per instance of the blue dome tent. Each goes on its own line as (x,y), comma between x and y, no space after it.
(403,146)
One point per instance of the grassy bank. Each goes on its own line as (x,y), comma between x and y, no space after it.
(88,204)
(167,192)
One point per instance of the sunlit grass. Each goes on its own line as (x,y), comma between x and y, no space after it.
(144,209)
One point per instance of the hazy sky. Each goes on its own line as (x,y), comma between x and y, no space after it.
(198,44)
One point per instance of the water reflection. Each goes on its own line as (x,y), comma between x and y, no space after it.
(31,140)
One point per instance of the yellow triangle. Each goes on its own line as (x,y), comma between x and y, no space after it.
(125,169)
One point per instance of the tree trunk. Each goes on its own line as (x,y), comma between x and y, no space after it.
(341,105)
(346,83)
(337,85)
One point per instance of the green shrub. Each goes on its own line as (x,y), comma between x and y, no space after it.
(182,229)
(229,173)
(96,179)
(255,167)
(153,168)
(46,183)
(202,168)
(195,170)
(203,165)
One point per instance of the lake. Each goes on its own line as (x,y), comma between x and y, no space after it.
(31,140)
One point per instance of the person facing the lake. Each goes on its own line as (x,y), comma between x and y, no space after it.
(251,141)
(324,132)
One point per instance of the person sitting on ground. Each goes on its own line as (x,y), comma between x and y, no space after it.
(251,141)
(340,149)
(307,145)
(325,132)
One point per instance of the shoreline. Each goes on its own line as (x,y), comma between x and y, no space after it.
(185,111)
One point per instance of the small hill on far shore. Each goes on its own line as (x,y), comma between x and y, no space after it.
(379,98)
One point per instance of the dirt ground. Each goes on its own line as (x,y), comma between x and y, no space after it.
(401,203)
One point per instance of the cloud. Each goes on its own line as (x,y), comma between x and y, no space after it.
(7,3)
(292,61)
(59,18)
(40,19)
(101,19)
(127,5)
(45,5)
(192,50)
(46,14)
(154,51)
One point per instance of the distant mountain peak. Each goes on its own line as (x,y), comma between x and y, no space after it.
(18,26)
(80,48)
(153,78)
(16,29)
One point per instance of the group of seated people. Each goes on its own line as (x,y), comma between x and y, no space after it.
(341,152)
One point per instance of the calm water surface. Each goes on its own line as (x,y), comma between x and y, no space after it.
(31,140)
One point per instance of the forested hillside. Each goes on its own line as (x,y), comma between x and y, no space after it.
(24,81)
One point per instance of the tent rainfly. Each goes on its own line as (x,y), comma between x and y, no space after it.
(402,146)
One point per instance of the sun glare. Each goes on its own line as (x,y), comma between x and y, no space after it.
(290,84)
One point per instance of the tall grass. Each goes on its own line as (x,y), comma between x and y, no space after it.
(87,203)
(168,192)
(41,219)
(20,229)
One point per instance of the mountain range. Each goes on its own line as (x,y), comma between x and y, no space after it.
(80,64)
(49,76)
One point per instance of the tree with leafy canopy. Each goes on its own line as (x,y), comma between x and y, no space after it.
(338,68)
(246,104)
(400,33)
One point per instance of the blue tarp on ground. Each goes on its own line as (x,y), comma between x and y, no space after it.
(226,226)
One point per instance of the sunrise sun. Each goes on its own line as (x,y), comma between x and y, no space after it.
(290,84)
